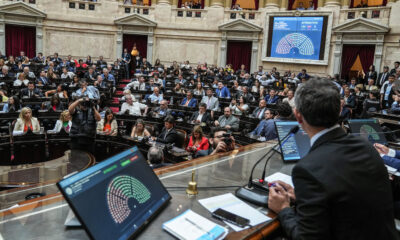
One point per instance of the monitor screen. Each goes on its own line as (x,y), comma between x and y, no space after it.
(115,198)
(369,129)
(294,147)
(297,37)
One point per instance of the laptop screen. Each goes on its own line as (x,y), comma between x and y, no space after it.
(294,147)
(369,129)
(115,198)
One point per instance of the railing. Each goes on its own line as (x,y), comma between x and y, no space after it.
(83,4)
(25,1)
(139,9)
(189,13)
(381,14)
(242,14)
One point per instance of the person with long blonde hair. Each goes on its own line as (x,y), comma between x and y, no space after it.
(26,122)
(63,123)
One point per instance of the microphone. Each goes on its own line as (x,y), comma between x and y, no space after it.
(255,195)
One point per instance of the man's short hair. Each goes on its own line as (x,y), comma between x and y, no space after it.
(169,119)
(318,101)
(203,105)
(155,155)
(217,129)
(284,110)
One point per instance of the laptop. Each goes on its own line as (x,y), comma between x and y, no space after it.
(294,147)
(369,129)
(116,198)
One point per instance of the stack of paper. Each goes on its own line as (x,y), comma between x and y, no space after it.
(234,205)
(190,225)
(280,176)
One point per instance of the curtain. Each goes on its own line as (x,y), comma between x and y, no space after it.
(315,2)
(20,38)
(179,3)
(239,53)
(141,43)
(257,2)
(366,54)
(202,4)
(348,57)
(350,53)
(351,3)
(290,5)
(149,2)
(233,3)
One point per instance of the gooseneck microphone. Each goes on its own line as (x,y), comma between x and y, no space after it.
(255,195)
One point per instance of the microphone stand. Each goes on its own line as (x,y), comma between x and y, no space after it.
(253,192)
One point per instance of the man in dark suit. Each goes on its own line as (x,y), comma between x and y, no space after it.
(162,110)
(341,187)
(168,133)
(126,59)
(31,91)
(201,116)
(101,63)
(259,111)
(396,66)
(383,76)
(271,98)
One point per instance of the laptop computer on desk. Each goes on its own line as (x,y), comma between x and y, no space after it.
(116,198)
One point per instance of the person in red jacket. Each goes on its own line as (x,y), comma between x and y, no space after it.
(197,142)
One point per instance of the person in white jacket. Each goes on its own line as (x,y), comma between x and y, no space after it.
(64,122)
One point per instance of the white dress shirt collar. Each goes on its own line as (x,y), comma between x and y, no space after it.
(321,133)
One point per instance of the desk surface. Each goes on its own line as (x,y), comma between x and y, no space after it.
(44,218)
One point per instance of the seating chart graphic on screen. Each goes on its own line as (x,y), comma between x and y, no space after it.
(117,197)
(120,191)
(369,129)
(296,37)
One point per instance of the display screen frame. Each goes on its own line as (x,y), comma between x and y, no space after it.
(325,37)
(77,176)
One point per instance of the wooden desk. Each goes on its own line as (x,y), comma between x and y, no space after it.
(44,217)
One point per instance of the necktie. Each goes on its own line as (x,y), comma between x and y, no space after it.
(259,113)
(383,77)
(208,103)
(30,94)
(187,102)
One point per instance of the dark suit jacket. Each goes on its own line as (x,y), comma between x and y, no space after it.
(379,82)
(206,117)
(351,101)
(36,91)
(342,192)
(169,137)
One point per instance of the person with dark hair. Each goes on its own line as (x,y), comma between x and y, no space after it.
(341,182)
(31,91)
(201,116)
(268,117)
(54,104)
(227,121)
(198,144)
(371,104)
(168,133)
(13,105)
(239,108)
(383,76)
(303,74)
(371,74)
(272,97)
(189,100)
(393,71)
(220,141)
(349,98)
(108,125)
(139,131)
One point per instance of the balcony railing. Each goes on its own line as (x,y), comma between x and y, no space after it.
(180,13)
(139,9)
(380,14)
(242,14)
(25,1)
(90,5)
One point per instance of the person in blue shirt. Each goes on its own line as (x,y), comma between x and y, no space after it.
(89,91)
(108,77)
(268,115)
(189,101)
(156,96)
(390,156)
(387,92)
(222,91)
(271,98)
(396,105)
(303,74)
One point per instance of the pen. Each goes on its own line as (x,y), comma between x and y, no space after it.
(198,227)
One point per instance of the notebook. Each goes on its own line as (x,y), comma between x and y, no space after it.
(190,225)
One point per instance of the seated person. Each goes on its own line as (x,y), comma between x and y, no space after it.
(12,105)
(101,63)
(300,6)
(201,116)
(21,80)
(128,92)
(108,125)
(66,75)
(246,94)
(54,104)
(89,91)
(26,122)
(5,73)
(221,141)
(271,98)
(290,98)
(211,101)
(259,111)
(370,86)
(246,81)
(349,98)
(303,74)
(155,157)
(27,73)
(139,131)
(3,96)
(353,83)
(227,121)
(100,82)
(371,104)
(179,89)
(268,115)
(345,113)
(180,80)
(222,91)
(189,101)
(396,105)
(239,108)
(31,91)
(59,91)
(133,108)
(156,96)
(43,80)
(168,134)
(198,143)
(63,123)
(108,77)
(390,156)
(138,84)
(90,75)
(162,110)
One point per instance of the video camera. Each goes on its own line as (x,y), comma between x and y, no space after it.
(88,103)
(227,139)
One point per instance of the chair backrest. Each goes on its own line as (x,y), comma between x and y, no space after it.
(182,138)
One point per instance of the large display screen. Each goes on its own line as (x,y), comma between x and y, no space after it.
(116,197)
(297,37)
(295,146)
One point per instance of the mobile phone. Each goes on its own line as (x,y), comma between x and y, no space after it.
(223,215)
